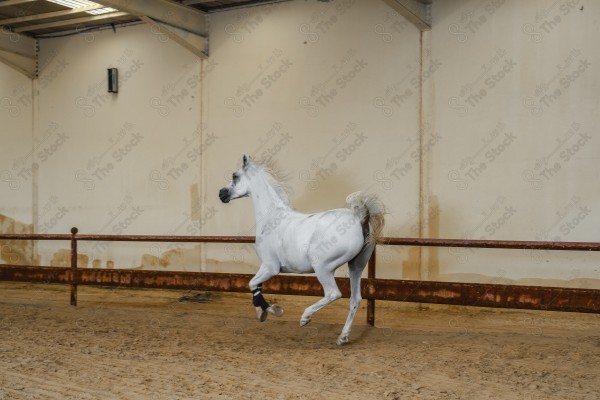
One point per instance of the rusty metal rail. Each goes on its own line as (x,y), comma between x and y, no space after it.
(128,238)
(493,244)
(488,244)
(465,294)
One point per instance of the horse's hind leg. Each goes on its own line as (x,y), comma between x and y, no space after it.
(355,267)
(355,299)
(332,293)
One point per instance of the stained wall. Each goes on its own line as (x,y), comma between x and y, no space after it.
(483,127)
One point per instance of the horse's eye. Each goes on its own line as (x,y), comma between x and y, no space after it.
(234,176)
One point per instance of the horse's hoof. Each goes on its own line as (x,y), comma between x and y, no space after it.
(262,314)
(305,321)
(276,310)
(342,340)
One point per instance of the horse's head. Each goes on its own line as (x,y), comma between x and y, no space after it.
(239,185)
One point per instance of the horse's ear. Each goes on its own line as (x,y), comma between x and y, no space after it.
(245,160)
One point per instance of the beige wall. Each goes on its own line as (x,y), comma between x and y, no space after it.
(332,92)
(17,175)
(516,102)
(16,105)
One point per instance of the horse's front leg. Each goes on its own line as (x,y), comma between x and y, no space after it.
(258,300)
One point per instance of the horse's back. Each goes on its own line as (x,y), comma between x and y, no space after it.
(309,240)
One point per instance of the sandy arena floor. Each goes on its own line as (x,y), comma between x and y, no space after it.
(144,344)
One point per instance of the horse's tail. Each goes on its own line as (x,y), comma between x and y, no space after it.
(370,211)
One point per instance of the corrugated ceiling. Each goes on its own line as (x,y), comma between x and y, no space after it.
(39,18)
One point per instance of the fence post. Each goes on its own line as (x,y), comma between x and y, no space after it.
(74,266)
(371,275)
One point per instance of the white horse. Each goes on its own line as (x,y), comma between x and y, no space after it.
(291,242)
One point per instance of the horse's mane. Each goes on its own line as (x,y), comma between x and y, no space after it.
(276,177)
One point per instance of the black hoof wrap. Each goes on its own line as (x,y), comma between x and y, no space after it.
(258,300)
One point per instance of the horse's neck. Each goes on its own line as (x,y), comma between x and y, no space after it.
(267,202)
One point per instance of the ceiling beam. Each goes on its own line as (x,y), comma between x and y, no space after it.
(54,14)
(417,12)
(185,42)
(26,67)
(71,21)
(19,52)
(20,45)
(192,2)
(9,3)
(171,13)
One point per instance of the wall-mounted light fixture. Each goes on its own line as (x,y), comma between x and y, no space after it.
(113,80)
